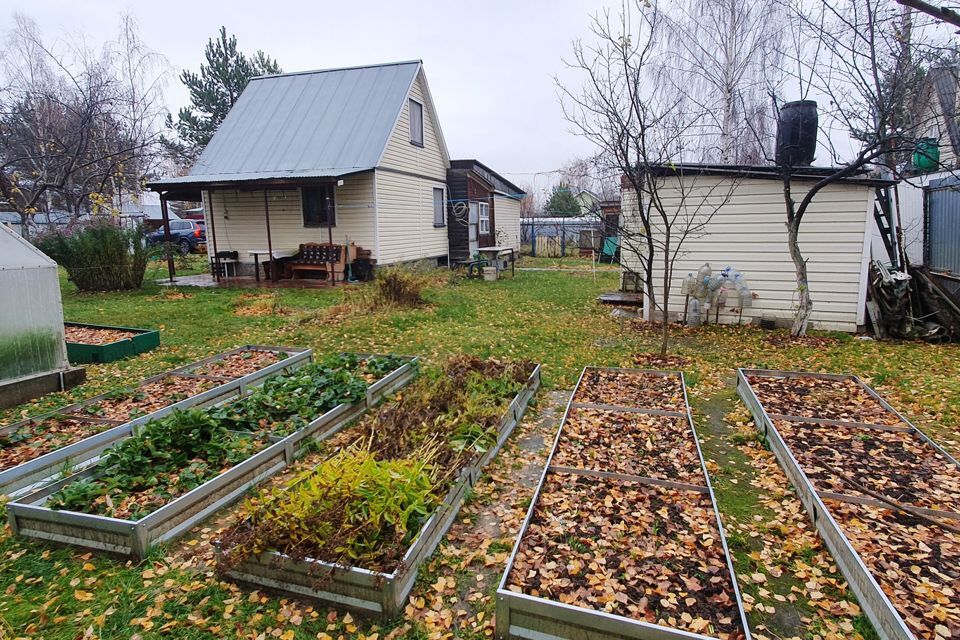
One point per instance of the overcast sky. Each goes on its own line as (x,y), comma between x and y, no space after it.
(490,65)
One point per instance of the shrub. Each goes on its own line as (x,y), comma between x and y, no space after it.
(396,286)
(99,256)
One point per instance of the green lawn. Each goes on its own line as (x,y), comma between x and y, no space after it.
(547,316)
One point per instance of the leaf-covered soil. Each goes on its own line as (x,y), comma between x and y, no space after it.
(630,443)
(910,558)
(128,404)
(917,564)
(93,335)
(631,389)
(38,438)
(237,365)
(896,464)
(635,550)
(820,398)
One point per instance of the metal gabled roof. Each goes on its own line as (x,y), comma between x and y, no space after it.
(308,124)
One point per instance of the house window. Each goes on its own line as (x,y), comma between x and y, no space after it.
(416,123)
(438,217)
(318,207)
(484,218)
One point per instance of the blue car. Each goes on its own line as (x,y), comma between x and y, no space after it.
(186,234)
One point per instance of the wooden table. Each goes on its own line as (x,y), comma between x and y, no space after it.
(491,254)
(277,254)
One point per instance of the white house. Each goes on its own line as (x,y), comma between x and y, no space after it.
(337,155)
(747,231)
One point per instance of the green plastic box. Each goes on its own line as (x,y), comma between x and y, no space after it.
(144,340)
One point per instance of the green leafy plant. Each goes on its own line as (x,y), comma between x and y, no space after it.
(100,256)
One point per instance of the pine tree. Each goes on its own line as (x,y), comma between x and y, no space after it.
(562,202)
(214,91)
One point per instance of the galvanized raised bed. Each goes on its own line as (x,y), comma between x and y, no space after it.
(536,618)
(875,603)
(142,341)
(29,516)
(76,456)
(372,592)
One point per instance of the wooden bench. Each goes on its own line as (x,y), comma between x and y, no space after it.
(329,259)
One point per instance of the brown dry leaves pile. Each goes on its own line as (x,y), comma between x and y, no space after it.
(636,390)
(148,398)
(632,443)
(636,550)
(240,364)
(916,562)
(93,335)
(46,436)
(820,398)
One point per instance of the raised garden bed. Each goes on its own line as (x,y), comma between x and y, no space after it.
(93,343)
(883,496)
(175,471)
(37,450)
(623,538)
(384,498)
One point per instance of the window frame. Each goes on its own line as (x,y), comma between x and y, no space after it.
(439,214)
(410,103)
(331,214)
(481,218)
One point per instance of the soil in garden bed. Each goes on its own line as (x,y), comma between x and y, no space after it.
(95,335)
(896,464)
(631,443)
(38,438)
(820,398)
(631,389)
(635,550)
(240,364)
(916,563)
(147,398)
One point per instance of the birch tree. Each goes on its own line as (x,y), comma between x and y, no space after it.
(639,129)
(724,56)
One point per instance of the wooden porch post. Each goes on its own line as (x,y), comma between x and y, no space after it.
(171,269)
(266,214)
(213,235)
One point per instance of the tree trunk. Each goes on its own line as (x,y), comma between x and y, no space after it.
(804,302)
(667,276)
(24,226)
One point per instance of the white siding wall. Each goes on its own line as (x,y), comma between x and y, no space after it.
(405,200)
(507,219)
(405,218)
(401,154)
(241,226)
(748,233)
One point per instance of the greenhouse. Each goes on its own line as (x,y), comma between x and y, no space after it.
(33,354)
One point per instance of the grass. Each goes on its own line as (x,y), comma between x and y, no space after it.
(547,316)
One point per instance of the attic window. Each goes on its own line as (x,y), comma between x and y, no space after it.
(416,123)
(318,207)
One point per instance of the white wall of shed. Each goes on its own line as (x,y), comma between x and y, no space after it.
(748,232)
(507,220)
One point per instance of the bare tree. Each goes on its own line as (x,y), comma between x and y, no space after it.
(940,12)
(638,130)
(853,54)
(75,126)
(723,56)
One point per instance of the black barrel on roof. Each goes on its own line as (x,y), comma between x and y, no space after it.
(797,133)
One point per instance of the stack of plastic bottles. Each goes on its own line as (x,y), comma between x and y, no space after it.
(708,291)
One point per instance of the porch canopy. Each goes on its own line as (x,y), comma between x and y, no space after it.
(191,188)
(295,129)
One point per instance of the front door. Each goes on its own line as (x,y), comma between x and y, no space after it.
(472,220)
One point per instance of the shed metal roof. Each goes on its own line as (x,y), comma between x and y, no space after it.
(310,124)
